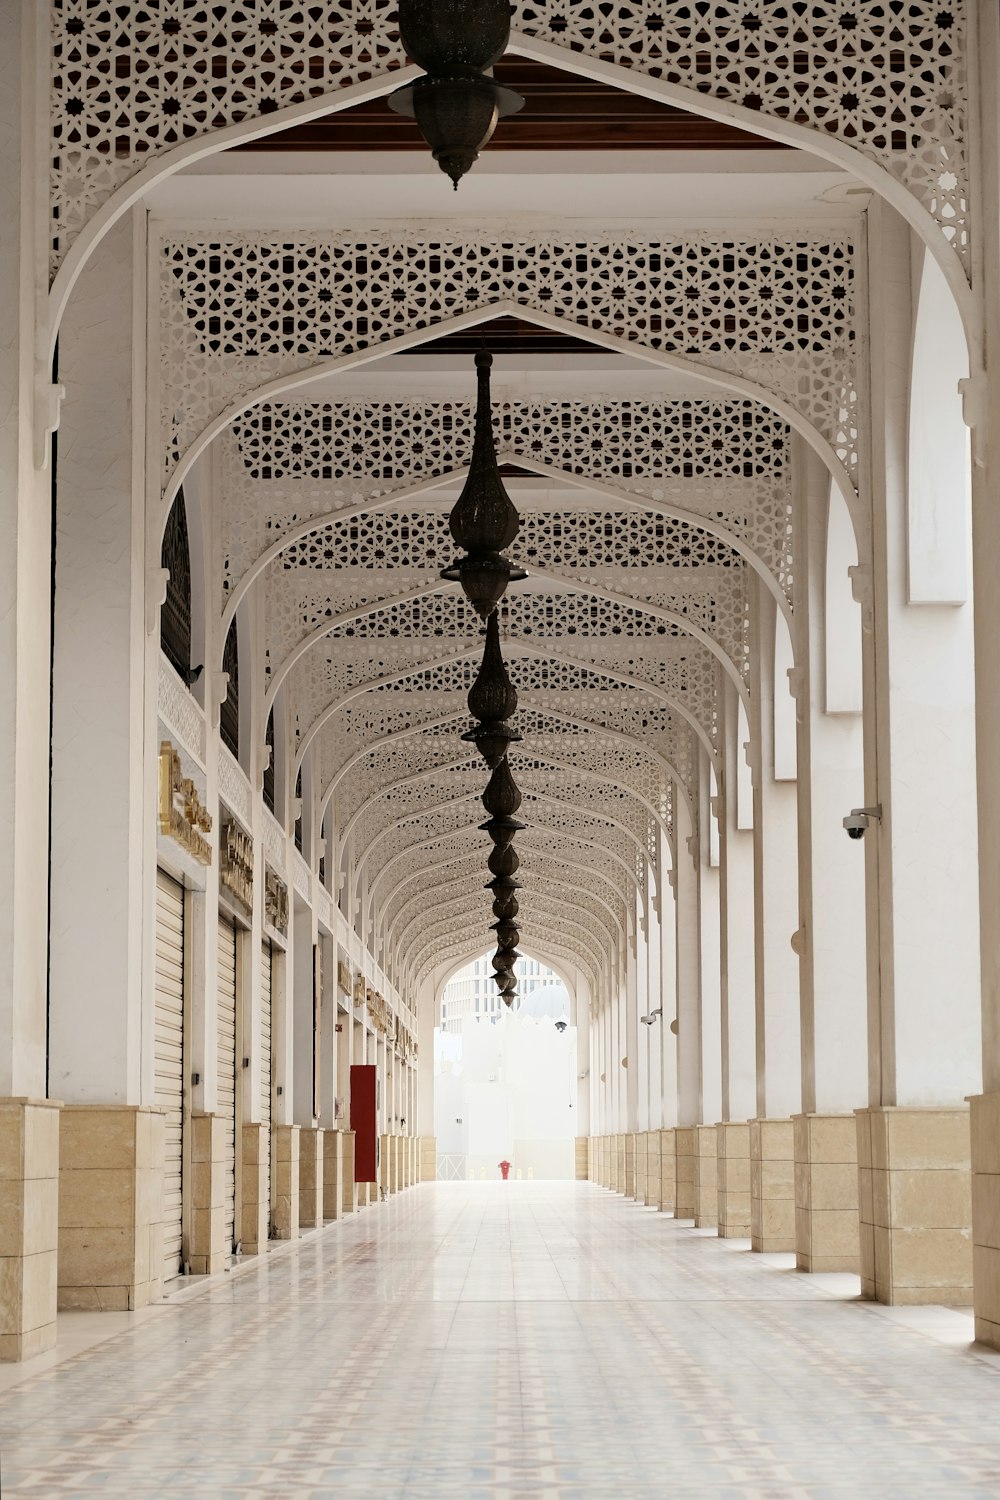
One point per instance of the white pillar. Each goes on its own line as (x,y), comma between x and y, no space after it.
(922,859)
(736,859)
(830,783)
(775,882)
(688,971)
(25,576)
(710,1027)
(668,984)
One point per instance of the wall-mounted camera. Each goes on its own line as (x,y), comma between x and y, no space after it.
(859,819)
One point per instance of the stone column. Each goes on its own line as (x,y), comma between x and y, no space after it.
(919,695)
(582,1159)
(285,1181)
(333,1197)
(772,727)
(29,1190)
(832,941)
(311,1179)
(428,1158)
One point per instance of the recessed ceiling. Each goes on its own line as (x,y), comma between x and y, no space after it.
(562,112)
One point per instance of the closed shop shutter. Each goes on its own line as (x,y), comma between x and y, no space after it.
(226,1102)
(169,1049)
(265,1065)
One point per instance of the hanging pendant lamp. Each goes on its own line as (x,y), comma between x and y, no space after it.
(456,104)
(483,519)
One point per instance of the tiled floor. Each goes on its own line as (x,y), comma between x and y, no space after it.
(534,1339)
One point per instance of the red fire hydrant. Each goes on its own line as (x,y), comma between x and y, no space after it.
(504,1169)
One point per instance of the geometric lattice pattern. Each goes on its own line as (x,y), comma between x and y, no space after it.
(728,460)
(238,312)
(128,82)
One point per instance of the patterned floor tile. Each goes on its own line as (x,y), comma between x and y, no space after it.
(542,1340)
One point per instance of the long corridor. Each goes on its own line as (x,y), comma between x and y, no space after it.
(527,1339)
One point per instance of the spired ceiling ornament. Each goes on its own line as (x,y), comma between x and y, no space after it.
(483,519)
(456,104)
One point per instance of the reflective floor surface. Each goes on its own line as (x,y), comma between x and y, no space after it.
(528,1339)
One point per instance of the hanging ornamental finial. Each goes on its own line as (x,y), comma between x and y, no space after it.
(483,520)
(456,104)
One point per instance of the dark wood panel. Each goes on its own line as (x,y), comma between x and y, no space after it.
(562,112)
(505,336)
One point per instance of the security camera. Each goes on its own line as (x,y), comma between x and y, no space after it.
(646,1020)
(859,819)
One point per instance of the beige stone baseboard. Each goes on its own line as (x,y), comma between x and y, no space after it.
(641,1146)
(29,1226)
(772,1186)
(311,1177)
(827,1235)
(706,1178)
(628,1182)
(285,1181)
(668,1171)
(654,1169)
(207,1248)
(581,1158)
(333,1201)
(985,1141)
(255,1205)
(684,1157)
(732,1152)
(915,1201)
(349,1190)
(110,1213)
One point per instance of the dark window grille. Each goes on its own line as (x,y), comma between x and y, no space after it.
(269,768)
(298,820)
(229,718)
(175,616)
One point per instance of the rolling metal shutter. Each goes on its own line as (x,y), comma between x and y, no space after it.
(226,1104)
(265,1064)
(169,1049)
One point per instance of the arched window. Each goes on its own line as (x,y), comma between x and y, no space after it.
(298,820)
(229,718)
(175,616)
(269,768)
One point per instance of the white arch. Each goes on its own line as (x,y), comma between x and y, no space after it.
(630,80)
(570,984)
(614,734)
(522,650)
(571,586)
(580,936)
(462,800)
(449,891)
(460,832)
(510,307)
(548,760)
(543,903)
(628,499)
